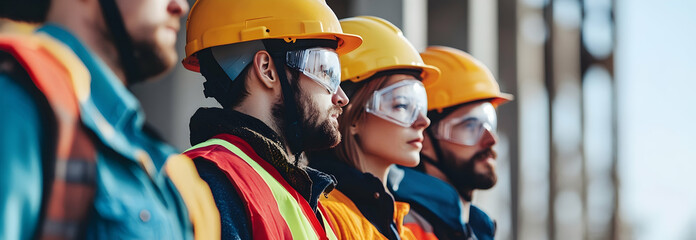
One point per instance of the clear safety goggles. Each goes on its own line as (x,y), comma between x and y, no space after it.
(399,103)
(319,64)
(469,128)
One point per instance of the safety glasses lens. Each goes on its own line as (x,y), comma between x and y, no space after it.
(468,128)
(400,103)
(319,64)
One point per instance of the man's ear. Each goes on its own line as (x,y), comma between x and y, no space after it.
(264,69)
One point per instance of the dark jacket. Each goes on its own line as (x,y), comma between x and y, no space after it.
(438,203)
(208,122)
(363,189)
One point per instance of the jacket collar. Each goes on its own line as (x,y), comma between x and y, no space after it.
(425,191)
(208,122)
(364,189)
(482,225)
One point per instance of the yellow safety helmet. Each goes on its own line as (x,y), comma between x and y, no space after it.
(464,79)
(384,48)
(220,22)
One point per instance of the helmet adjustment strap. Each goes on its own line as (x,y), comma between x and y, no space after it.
(440,164)
(438,150)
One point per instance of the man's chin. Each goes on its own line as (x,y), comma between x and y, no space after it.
(334,144)
(478,180)
(334,139)
(168,60)
(155,60)
(324,138)
(486,181)
(317,145)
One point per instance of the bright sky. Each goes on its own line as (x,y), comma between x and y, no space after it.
(656,69)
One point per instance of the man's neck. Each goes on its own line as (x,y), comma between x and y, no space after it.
(265,116)
(434,171)
(104,48)
(375,166)
(465,205)
(464,194)
(91,30)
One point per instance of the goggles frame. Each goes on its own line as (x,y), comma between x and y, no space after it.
(480,119)
(306,61)
(373,104)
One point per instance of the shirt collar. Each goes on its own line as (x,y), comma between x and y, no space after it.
(322,183)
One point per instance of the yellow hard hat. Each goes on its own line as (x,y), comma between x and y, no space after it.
(464,79)
(384,48)
(220,22)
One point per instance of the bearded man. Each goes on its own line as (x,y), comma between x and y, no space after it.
(78,160)
(273,66)
(457,156)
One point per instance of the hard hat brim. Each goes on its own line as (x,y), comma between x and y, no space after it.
(501,98)
(346,43)
(430,74)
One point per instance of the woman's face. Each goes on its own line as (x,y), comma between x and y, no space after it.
(383,140)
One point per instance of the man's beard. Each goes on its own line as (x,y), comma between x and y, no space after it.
(318,131)
(465,178)
(151,60)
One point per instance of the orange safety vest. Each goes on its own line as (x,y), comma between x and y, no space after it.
(274,209)
(351,224)
(70,167)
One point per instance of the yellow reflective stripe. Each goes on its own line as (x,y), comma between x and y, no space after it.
(329,231)
(299,225)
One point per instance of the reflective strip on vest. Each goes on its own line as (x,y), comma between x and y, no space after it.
(62,78)
(294,214)
(330,233)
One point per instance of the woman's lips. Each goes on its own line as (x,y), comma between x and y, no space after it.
(418,142)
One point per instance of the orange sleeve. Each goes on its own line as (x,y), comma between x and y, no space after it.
(197,196)
(346,219)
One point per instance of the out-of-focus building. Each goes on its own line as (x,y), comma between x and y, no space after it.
(592,126)
(557,151)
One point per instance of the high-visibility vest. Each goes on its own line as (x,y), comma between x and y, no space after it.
(275,210)
(62,81)
(69,155)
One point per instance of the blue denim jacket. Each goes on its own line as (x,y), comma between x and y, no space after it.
(130,202)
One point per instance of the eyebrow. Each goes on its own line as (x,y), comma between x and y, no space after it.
(469,118)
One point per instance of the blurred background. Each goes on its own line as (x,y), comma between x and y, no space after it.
(599,142)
